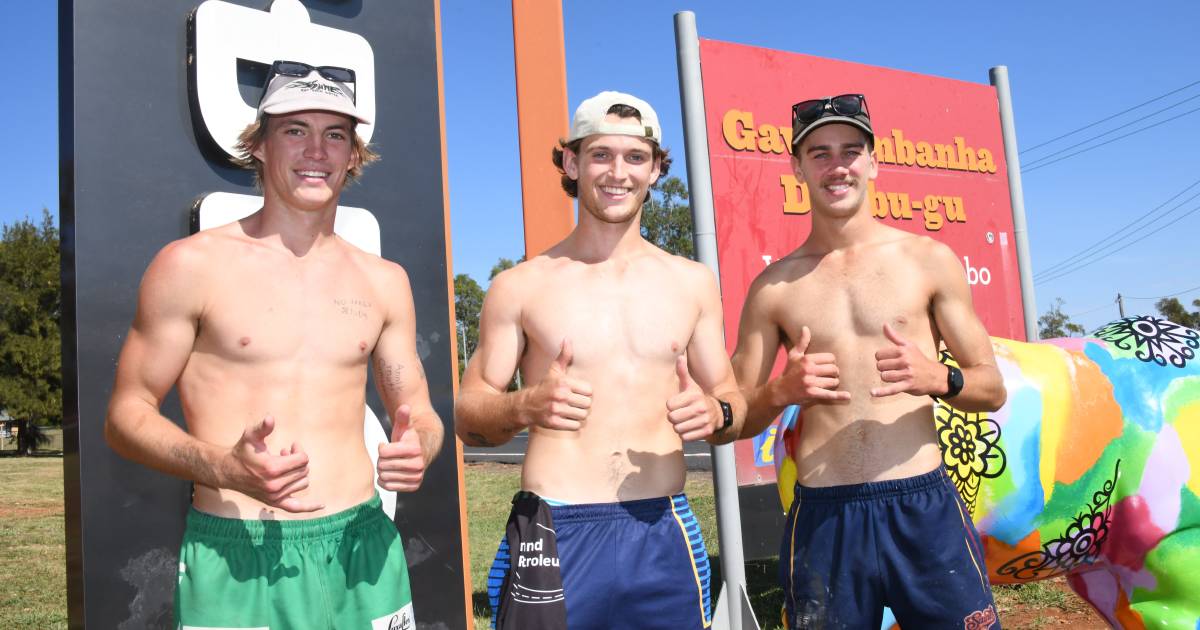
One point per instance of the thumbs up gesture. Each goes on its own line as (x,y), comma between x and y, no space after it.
(903,368)
(251,469)
(558,401)
(808,377)
(692,413)
(401,461)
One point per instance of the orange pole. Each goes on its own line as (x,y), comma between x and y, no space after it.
(458,446)
(542,119)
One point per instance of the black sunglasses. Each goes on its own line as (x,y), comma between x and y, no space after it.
(300,69)
(806,112)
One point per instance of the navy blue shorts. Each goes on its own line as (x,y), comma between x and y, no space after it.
(629,565)
(908,544)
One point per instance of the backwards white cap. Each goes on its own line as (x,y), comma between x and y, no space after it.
(589,118)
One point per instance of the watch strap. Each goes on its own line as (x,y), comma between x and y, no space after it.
(726,414)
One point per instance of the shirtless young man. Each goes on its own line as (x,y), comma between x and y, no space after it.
(267,325)
(861,307)
(620,346)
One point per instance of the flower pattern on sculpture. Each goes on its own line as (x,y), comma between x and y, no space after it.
(970,444)
(1080,544)
(1152,339)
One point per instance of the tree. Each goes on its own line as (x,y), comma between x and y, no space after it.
(468,302)
(1054,323)
(504,264)
(667,218)
(1173,310)
(30,308)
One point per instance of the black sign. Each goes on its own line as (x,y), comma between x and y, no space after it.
(137,153)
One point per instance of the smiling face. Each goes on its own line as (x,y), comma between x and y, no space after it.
(614,174)
(305,158)
(837,166)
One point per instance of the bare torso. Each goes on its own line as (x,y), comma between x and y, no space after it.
(629,320)
(845,297)
(289,337)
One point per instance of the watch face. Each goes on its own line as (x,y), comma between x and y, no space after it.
(954,381)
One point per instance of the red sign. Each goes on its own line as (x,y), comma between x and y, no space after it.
(941,173)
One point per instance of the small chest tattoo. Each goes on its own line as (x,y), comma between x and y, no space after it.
(352,307)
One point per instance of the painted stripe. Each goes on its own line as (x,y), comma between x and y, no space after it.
(678,505)
(968,542)
(791,592)
(496,576)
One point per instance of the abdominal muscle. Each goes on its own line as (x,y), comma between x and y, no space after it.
(319,410)
(868,438)
(626,449)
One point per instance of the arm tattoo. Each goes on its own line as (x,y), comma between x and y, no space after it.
(390,375)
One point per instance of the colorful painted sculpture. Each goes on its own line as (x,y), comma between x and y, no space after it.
(1091,469)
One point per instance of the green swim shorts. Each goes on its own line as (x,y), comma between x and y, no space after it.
(346,570)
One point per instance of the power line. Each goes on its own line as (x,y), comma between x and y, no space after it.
(1126,245)
(1125,111)
(1163,297)
(1121,231)
(1092,310)
(1098,248)
(1071,155)
(1035,162)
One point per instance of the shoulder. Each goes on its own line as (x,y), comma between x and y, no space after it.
(780,273)
(385,273)
(688,269)
(935,255)
(388,281)
(516,280)
(182,274)
(192,258)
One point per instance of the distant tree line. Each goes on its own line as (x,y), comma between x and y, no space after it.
(1054,323)
(30,345)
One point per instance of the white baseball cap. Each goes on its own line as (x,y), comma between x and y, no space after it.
(286,94)
(589,118)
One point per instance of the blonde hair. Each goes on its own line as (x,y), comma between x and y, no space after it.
(253,136)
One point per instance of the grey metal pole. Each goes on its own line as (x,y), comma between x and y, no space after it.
(1121,305)
(733,605)
(999,78)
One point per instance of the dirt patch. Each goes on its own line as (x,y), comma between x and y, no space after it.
(21,511)
(1046,604)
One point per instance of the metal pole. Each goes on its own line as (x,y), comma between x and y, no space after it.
(999,77)
(1121,305)
(732,600)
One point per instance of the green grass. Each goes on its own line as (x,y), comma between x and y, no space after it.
(1034,594)
(33,583)
(33,575)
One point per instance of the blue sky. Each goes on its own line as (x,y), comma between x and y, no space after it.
(1070,63)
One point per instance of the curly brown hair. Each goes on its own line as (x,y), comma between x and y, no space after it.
(255,134)
(623,111)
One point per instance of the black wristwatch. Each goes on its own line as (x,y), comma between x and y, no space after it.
(954,382)
(726,413)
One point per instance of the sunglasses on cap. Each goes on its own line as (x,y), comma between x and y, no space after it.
(806,112)
(301,70)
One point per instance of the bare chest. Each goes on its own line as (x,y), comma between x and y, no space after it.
(844,300)
(318,316)
(610,317)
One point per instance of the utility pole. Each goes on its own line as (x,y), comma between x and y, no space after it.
(1121,305)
